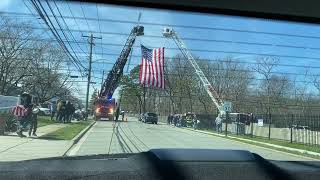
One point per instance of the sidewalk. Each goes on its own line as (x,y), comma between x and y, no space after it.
(13,148)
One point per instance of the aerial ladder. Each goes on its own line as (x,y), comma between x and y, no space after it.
(221,106)
(113,78)
(106,106)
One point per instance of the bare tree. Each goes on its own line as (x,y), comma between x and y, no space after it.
(302,96)
(14,59)
(264,68)
(46,81)
(316,82)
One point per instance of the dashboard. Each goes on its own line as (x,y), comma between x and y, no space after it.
(162,164)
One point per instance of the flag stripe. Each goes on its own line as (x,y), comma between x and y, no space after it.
(161,85)
(158,68)
(152,67)
(145,71)
(162,68)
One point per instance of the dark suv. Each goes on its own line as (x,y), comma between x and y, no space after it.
(150,117)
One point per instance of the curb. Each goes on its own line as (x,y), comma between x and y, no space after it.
(80,135)
(76,139)
(261,143)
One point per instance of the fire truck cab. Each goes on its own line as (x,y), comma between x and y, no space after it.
(105,109)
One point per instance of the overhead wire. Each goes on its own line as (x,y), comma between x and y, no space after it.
(66,25)
(208,40)
(63,32)
(220,51)
(44,16)
(191,27)
(99,28)
(224,69)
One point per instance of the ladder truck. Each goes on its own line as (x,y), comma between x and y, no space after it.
(106,106)
(221,105)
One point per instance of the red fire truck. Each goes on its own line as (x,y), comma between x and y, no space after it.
(105,109)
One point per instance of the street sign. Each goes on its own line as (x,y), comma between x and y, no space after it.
(227,106)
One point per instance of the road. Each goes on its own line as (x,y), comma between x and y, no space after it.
(134,136)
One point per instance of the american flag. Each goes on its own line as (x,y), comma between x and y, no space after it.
(152,67)
(19,111)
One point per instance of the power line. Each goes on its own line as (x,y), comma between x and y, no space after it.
(225,61)
(205,40)
(206,50)
(221,69)
(186,26)
(66,25)
(84,15)
(217,51)
(99,28)
(280,64)
(236,76)
(44,16)
(63,32)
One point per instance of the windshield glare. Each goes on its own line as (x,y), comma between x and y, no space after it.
(212,82)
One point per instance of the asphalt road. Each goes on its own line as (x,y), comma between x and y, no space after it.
(133,136)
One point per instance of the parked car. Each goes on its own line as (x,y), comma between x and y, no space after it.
(150,117)
(78,115)
(44,111)
(294,126)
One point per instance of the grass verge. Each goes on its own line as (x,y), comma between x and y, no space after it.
(44,120)
(67,133)
(275,142)
(275,148)
(313,148)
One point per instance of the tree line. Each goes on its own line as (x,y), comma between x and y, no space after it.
(29,64)
(258,88)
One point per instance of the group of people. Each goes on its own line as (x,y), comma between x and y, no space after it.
(63,110)
(27,110)
(178,120)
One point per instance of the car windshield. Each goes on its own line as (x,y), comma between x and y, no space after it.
(212,81)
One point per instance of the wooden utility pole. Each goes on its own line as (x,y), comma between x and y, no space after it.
(90,41)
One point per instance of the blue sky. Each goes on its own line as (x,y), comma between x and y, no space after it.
(185,19)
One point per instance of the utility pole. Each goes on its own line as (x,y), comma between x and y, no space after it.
(90,41)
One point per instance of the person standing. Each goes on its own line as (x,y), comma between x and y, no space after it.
(62,116)
(169,119)
(23,113)
(122,113)
(218,124)
(53,109)
(34,121)
(175,120)
(59,104)
(117,113)
(73,109)
(68,112)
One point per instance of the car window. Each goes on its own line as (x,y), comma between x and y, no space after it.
(151,114)
(212,81)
